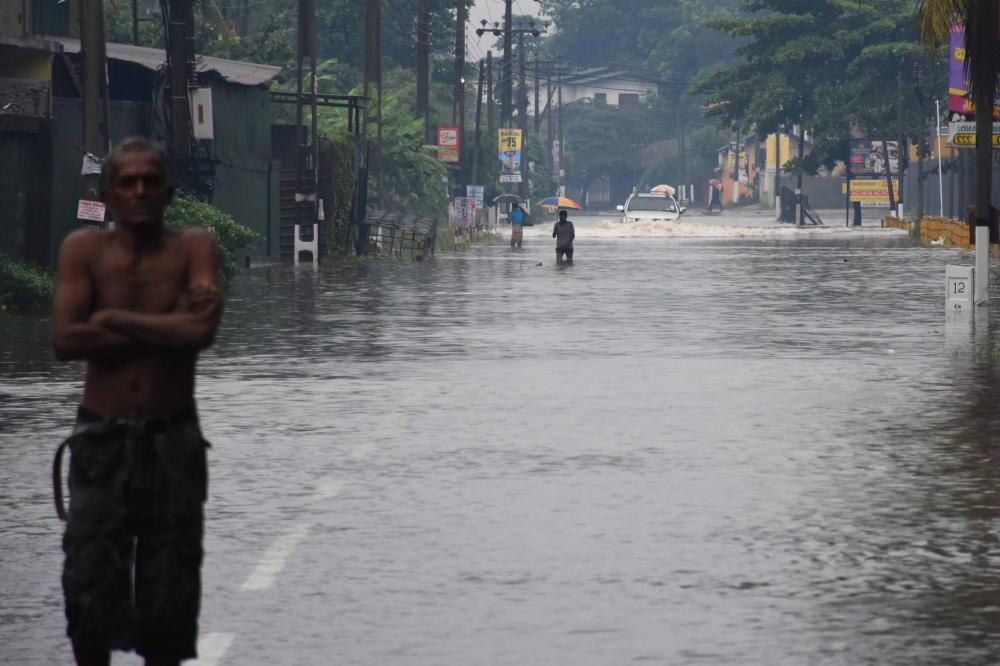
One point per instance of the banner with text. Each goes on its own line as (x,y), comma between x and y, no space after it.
(963,135)
(477,192)
(868,158)
(449,143)
(873,192)
(510,156)
(465,211)
(959,85)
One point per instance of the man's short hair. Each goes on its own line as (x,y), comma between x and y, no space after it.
(132,144)
(563,212)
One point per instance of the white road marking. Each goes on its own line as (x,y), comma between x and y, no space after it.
(361,450)
(212,647)
(329,487)
(274,559)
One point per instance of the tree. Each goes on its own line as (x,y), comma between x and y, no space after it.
(830,66)
(982,57)
(604,140)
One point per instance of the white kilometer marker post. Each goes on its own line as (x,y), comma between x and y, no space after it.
(982,293)
(958,286)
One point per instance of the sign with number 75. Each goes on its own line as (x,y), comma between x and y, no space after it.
(510,140)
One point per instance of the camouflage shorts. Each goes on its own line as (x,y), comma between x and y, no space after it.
(132,573)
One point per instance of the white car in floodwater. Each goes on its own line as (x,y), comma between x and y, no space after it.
(650,207)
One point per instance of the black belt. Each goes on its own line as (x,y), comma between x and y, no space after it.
(91,420)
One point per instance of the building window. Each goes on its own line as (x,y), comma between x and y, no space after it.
(628,99)
(600,99)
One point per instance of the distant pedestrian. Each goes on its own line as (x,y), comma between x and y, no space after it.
(137,303)
(564,233)
(516,225)
(715,196)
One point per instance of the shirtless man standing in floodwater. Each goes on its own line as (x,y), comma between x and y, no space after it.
(137,303)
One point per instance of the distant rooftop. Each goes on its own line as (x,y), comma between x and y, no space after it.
(603,74)
(234,71)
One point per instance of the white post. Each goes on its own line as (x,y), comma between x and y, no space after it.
(798,206)
(312,247)
(937,105)
(958,288)
(982,276)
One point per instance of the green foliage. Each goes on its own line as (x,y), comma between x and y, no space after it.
(702,156)
(186,211)
(667,39)
(337,156)
(413,178)
(23,286)
(831,66)
(606,139)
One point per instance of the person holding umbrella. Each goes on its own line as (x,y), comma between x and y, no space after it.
(564,233)
(517,219)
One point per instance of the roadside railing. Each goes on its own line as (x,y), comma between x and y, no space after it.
(398,234)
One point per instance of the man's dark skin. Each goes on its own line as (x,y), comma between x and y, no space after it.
(137,303)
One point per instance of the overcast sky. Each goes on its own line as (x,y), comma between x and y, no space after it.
(492,10)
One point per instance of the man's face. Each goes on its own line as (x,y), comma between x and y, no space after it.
(139,192)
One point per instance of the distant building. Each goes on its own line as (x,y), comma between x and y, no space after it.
(604,85)
(41,128)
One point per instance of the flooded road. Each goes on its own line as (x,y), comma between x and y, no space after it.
(718,441)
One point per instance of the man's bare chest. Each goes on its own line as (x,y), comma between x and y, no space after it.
(145,282)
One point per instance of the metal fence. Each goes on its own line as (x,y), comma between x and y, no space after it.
(398,234)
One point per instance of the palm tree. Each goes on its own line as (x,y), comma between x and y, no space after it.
(982,57)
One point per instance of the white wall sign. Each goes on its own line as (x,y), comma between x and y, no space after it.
(92,211)
(963,135)
(202,125)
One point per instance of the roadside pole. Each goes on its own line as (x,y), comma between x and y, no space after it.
(736,177)
(476,180)
(777,172)
(95,128)
(423,82)
(460,87)
(937,106)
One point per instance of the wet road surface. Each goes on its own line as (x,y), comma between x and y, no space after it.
(718,441)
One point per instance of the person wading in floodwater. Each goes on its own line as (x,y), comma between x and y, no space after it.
(516,225)
(564,234)
(137,303)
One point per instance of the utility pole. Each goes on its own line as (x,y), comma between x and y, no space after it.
(522,114)
(736,173)
(562,141)
(680,140)
(537,86)
(180,61)
(507,32)
(508,64)
(901,143)
(306,147)
(491,126)
(135,22)
(798,187)
(479,117)
(95,127)
(460,84)
(423,69)
(549,146)
(777,170)
(373,77)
